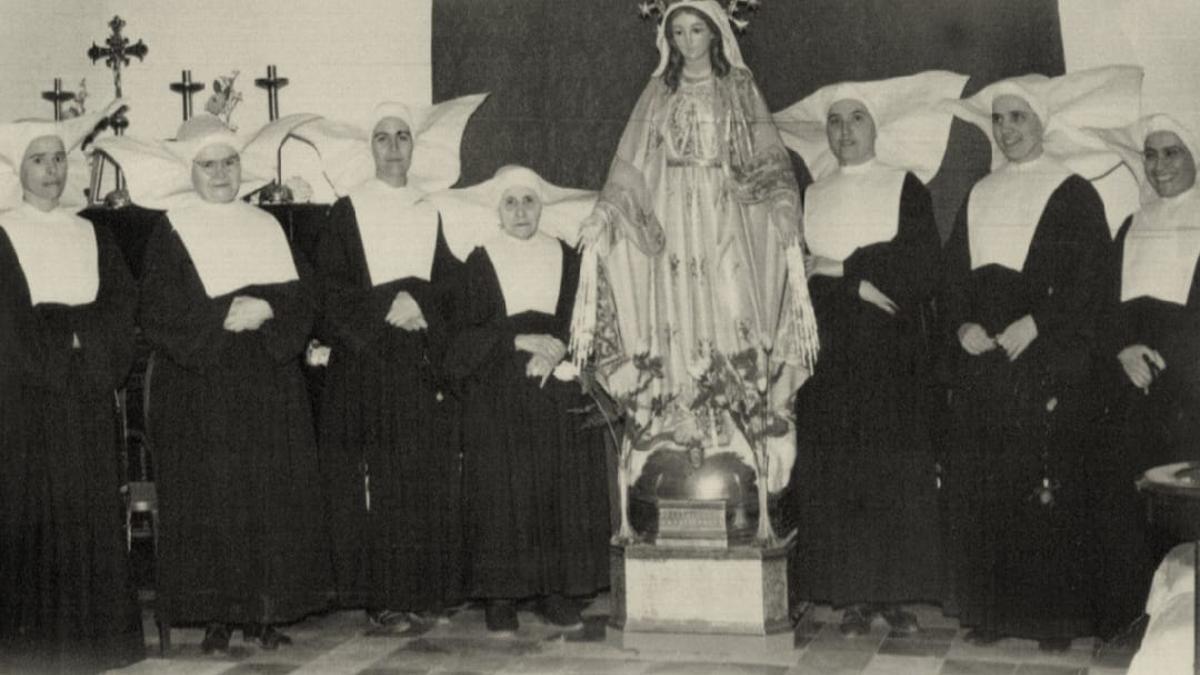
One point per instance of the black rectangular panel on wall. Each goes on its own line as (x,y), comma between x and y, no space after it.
(565,74)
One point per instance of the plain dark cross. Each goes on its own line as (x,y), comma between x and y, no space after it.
(57,96)
(272,83)
(185,88)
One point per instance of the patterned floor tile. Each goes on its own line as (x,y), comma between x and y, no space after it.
(958,667)
(908,647)
(262,669)
(884,664)
(1049,669)
(834,662)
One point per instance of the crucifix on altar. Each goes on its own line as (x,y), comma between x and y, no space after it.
(185,88)
(57,96)
(116,56)
(276,192)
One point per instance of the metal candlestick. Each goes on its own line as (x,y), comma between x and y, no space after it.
(57,96)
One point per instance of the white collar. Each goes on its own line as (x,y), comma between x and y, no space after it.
(1003,210)
(57,252)
(1161,249)
(233,245)
(853,207)
(398,231)
(529,271)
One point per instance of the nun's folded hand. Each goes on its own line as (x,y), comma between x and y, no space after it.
(549,347)
(405,313)
(1136,360)
(974,339)
(870,293)
(540,368)
(1017,337)
(247,313)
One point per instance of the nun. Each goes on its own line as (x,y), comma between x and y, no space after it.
(228,310)
(388,424)
(1151,356)
(535,480)
(67,305)
(1025,282)
(865,495)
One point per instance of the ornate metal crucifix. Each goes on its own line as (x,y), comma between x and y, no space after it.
(116,56)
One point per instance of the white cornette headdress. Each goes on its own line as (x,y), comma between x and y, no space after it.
(437,131)
(159,173)
(1104,97)
(911,129)
(1129,142)
(15,137)
(1163,245)
(469,215)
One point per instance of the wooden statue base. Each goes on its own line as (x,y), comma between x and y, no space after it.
(734,598)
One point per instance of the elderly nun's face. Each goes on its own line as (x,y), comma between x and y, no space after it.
(44,172)
(520,211)
(217,173)
(1016,128)
(392,147)
(851,132)
(1170,166)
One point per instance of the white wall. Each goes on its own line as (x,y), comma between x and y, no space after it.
(341,57)
(1163,36)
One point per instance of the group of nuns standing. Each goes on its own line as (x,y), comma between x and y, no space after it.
(1064,364)
(450,464)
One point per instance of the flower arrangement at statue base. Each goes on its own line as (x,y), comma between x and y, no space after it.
(704,556)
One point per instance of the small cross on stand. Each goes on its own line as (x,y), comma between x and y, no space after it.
(116,56)
(57,96)
(185,88)
(276,192)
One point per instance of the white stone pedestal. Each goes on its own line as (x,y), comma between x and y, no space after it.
(731,599)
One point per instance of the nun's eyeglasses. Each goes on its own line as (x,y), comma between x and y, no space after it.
(212,167)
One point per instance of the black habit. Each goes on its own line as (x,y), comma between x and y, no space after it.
(389,439)
(1022,565)
(1142,431)
(242,532)
(535,481)
(66,601)
(864,492)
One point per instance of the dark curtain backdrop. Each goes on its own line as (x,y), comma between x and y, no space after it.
(565,74)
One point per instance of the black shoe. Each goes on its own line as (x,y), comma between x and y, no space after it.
(856,621)
(982,638)
(273,639)
(386,618)
(216,638)
(1054,644)
(501,616)
(901,620)
(559,611)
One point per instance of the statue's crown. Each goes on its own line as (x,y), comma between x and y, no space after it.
(657,9)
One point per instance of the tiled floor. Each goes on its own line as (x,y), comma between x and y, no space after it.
(342,644)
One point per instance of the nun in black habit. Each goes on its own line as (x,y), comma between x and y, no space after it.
(389,437)
(1150,360)
(864,493)
(228,309)
(67,305)
(1026,277)
(535,480)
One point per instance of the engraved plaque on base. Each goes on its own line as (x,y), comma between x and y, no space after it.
(692,523)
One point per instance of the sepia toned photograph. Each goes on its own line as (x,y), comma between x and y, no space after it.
(671,337)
